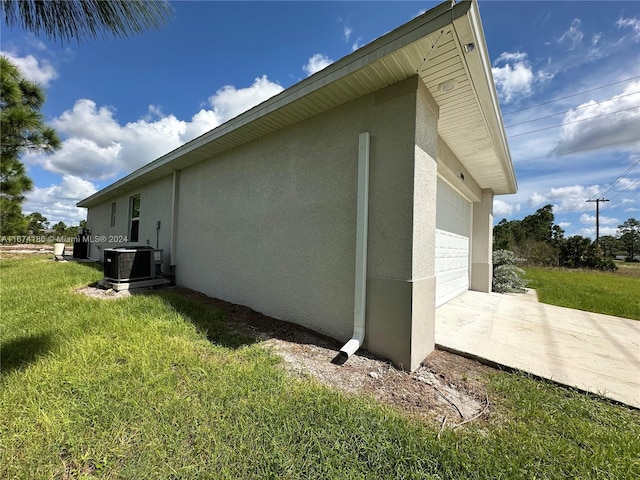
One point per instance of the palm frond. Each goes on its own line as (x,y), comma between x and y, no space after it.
(64,20)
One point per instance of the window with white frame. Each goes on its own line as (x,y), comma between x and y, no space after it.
(135,218)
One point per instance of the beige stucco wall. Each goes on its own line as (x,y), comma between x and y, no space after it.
(272,224)
(451,169)
(401,301)
(482,243)
(155,204)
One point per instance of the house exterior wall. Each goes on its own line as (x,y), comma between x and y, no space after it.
(482,244)
(272,225)
(401,297)
(155,204)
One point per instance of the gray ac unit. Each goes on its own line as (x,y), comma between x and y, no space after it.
(129,264)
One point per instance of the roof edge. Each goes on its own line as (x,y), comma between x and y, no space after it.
(417,28)
(480,66)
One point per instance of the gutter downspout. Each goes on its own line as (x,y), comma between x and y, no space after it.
(362,223)
(174,220)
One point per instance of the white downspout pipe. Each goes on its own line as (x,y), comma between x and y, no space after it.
(174,219)
(362,223)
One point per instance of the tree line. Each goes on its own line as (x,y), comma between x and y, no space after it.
(39,226)
(37,229)
(540,241)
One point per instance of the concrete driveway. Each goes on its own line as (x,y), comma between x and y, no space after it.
(589,351)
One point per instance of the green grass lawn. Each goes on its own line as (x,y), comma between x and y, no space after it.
(158,387)
(612,293)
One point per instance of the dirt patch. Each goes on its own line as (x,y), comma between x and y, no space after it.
(103,290)
(94,291)
(446,389)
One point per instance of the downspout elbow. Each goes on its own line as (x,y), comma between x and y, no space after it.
(351,346)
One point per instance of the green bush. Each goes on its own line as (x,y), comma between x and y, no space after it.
(507,276)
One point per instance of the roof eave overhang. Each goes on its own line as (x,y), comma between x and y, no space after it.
(468,29)
(289,106)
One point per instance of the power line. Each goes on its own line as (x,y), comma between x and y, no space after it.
(622,175)
(572,109)
(633,196)
(569,123)
(626,200)
(625,190)
(579,150)
(569,96)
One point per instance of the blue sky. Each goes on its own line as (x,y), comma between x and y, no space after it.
(567,74)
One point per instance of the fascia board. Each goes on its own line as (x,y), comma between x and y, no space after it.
(468,29)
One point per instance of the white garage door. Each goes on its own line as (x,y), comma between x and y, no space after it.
(453,225)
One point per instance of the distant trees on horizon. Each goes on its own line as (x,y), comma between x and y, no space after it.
(539,241)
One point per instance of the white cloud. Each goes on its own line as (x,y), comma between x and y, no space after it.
(39,71)
(633,24)
(572,38)
(593,124)
(511,57)
(98,147)
(536,199)
(578,48)
(513,80)
(504,209)
(613,231)
(201,123)
(347,33)
(595,39)
(229,101)
(88,122)
(591,219)
(514,76)
(571,198)
(58,202)
(84,158)
(629,184)
(316,63)
(591,231)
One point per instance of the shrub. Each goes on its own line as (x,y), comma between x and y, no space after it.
(581,252)
(507,276)
(534,252)
(604,264)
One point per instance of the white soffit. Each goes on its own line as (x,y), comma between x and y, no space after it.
(470,121)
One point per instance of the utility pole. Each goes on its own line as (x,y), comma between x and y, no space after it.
(598,200)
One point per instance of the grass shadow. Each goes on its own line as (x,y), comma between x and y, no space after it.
(211,322)
(18,353)
(233,325)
